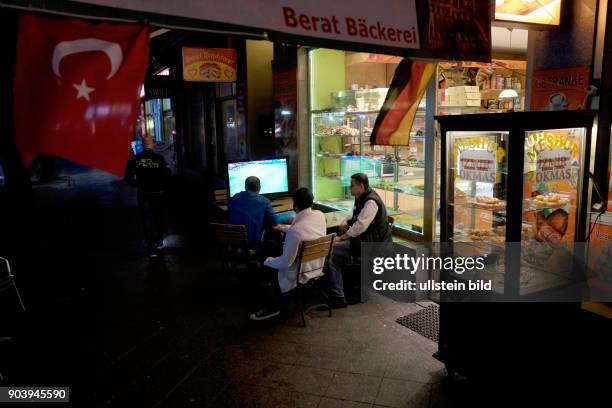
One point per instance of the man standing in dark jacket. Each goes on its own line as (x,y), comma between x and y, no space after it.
(367,223)
(148,172)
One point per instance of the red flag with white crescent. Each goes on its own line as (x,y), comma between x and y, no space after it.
(77,89)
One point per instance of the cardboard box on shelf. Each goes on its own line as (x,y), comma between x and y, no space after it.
(463,96)
(463,89)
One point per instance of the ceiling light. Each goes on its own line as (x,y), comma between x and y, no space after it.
(508,93)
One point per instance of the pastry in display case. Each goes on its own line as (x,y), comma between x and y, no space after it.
(514,187)
(341,147)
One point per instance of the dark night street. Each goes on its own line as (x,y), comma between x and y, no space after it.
(121,329)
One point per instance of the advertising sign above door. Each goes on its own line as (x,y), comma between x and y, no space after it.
(209,64)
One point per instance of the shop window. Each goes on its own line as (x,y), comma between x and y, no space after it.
(347,91)
(474,87)
(159,119)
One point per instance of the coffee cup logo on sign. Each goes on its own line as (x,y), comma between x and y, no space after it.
(557,102)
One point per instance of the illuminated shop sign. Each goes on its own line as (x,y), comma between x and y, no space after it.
(209,64)
(546,12)
(432,29)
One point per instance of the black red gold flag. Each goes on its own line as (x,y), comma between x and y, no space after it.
(407,88)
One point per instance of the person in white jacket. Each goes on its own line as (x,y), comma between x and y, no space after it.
(281,271)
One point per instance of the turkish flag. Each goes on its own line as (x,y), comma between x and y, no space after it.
(77,89)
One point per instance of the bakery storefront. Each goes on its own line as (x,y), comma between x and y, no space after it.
(347,90)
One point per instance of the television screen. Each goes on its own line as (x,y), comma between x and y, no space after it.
(273,174)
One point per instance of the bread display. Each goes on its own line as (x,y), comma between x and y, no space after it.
(549,201)
(496,235)
(343,130)
(489,203)
(485,235)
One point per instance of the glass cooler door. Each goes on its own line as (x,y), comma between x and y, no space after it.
(477,188)
(552,186)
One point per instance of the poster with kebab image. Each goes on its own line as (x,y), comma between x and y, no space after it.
(77,89)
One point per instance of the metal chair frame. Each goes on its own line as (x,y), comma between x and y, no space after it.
(8,281)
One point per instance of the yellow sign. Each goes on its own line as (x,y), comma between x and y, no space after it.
(209,64)
(540,141)
(478,143)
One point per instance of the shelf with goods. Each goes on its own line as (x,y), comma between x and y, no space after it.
(341,142)
(474,87)
(494,93)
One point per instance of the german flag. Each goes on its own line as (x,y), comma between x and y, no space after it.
(393,124)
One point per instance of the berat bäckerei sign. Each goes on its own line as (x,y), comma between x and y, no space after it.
(391,24)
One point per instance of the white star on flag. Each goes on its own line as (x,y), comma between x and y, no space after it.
(83,90)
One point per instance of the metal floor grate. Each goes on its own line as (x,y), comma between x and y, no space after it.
(426,322)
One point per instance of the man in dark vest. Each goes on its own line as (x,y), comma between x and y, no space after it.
(367,223)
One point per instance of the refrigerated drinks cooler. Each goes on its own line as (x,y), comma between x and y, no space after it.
(520,178)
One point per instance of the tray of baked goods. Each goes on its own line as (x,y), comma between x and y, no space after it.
(487,203)
(542,201)
(495,235)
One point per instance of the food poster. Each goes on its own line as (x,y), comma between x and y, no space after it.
(560,89)
(550,188)
(477,160)
(209,64)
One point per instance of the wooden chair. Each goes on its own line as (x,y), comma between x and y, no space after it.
(221,195)
(310,251)
(8,281)
(233,243)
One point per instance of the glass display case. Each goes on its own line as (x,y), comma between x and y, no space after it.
(341,147)
(346,92)
(519,179)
